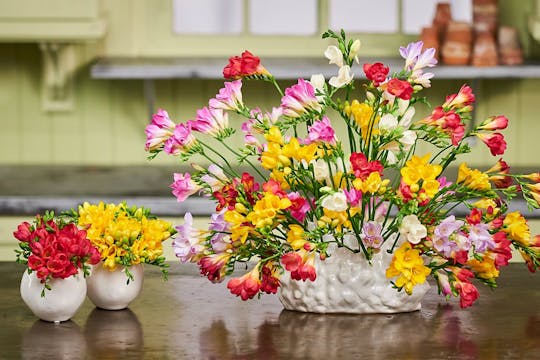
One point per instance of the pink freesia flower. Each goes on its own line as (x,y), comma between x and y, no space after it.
(443,283)
(299,99)
(183,186)
(300,267)
(299,206)
(321,131)
(448,121)
(159,130)
(229,97)
(494,141)
(354,196)
(463,99)
(181,141)
(210,121)
(494,123)
(187,244)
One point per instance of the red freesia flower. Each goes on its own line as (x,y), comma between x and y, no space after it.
(448,121)
(376,72)
(213,266)
(400,88)
(54,250)
(495,142)
(245,65)
(468,293)
(246,286)
(502,251)
(362,167)
(269,282)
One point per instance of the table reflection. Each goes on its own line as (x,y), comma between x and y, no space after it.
(115,334)
(46,340)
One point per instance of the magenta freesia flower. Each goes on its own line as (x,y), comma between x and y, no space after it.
(210,121)
(181,140)
(299,99)
(321,130)
(183,186)
(159,130)
(229,97)
(299,207)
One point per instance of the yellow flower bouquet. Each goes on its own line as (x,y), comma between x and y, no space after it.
(124,236)
(371,191)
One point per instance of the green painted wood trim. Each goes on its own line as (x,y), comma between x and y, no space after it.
(66,31)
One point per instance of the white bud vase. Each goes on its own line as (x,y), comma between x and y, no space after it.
(60,303)
(347,283)
(110,290)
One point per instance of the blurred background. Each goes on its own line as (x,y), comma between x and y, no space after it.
(79,80)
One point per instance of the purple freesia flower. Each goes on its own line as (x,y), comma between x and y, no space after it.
(481,238)
(220,239)
(187,244)
(371,234)
(299,99)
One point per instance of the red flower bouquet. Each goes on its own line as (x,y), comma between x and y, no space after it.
(54,248)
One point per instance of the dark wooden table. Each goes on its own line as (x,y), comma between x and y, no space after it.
(190,318)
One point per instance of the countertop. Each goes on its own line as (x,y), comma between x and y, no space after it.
(187,317)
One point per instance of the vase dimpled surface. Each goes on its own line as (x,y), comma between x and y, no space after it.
(60,303)
(110,290)
(347,283)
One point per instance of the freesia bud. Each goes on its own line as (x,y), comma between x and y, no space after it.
(355,48)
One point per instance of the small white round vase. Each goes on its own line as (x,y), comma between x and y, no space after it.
(347,283)
(110,290)
(60,303)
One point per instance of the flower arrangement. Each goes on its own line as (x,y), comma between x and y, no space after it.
(54,248)
(308,189)
(124,236)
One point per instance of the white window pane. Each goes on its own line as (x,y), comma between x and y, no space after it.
(207,16)
(285,17)
(418,14)
(370,16)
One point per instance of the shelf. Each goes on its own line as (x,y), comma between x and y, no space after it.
(283,68)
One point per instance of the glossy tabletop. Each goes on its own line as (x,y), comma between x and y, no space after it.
(187,317)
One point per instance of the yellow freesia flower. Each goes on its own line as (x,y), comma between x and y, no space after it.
(517,228)
(409,267)
(472,178)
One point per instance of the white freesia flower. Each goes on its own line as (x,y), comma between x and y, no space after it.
(402,106)
(344,77)
(318,82)
(408,139)
(320,170)
(406,119)
(388,122)
(335,55)
(335,202)
(412,229)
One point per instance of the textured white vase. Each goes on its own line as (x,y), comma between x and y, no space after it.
(347,283)
(60,303)
(110,290)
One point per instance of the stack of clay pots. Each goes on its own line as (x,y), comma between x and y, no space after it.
(482,43)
